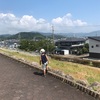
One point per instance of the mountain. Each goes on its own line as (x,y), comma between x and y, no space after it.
(5,36)
(40,35)
(30,35)
(27,35)
(94,33)
(22,35)
(50,35)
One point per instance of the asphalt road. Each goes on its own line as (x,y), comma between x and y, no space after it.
(21,82)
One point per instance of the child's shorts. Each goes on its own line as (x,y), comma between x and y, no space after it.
(44,66)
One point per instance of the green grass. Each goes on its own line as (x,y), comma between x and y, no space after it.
(78,71)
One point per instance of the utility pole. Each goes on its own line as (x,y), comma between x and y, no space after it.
(53,33)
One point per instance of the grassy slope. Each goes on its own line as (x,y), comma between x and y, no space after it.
(78,71)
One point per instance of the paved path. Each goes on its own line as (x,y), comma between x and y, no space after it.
(21,82)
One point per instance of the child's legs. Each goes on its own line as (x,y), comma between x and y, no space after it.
(44,68)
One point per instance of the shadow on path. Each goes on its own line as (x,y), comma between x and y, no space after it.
(38,73)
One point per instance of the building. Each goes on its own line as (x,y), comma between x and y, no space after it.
(94,47)
(11,43)
(72,45)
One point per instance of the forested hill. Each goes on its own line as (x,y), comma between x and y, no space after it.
(29,35)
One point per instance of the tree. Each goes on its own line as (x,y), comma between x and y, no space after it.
(24,45)
(29,45)
(83,50)
(86,48)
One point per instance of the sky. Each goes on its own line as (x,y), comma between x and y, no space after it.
(65,16)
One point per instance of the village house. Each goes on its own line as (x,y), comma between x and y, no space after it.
(69,45)
(94,47)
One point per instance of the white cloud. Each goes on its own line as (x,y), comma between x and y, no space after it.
(67,21)
(79,23)
(10,24)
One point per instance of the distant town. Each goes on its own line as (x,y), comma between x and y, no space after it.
(54,43)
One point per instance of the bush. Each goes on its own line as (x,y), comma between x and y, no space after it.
(96,64)
(77,60)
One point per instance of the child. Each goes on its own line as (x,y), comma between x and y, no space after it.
(44,61)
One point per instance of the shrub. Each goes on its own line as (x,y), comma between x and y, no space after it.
(96,64)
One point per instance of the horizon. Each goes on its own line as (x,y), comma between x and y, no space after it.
(89,34)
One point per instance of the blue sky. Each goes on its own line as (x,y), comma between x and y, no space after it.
(39,15)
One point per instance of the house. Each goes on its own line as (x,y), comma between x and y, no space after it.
(94,47)
(11,43)
(69,45)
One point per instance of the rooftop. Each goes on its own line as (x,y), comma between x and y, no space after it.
(72,39)
(97,38)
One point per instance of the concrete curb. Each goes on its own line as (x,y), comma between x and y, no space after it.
(63,79)
(78,86)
